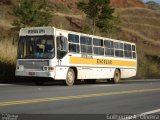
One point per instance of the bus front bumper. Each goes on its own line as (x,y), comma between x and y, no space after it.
(31,73)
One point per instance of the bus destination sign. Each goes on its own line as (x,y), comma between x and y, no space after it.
(39,31)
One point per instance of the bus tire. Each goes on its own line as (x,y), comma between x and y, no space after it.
(70,78)
(116,77)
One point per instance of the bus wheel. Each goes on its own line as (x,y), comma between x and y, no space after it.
(116,77)
(70,78)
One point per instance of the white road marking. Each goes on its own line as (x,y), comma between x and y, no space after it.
(149,112)
(141,115)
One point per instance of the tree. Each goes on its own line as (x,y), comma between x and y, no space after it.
(99,11)
(32,13)
(153,5)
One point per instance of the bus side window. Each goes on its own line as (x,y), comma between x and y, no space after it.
(119,49)
(109,48)
(74,48)
(134,51)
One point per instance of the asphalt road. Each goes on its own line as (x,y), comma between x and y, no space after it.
(128,97)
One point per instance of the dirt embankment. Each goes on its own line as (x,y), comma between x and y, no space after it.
(127,3)
(114,3)
(6,2)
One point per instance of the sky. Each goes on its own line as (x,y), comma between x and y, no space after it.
(158,1)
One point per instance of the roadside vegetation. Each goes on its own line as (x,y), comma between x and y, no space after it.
(142,26)
(7,60)
(99,12)
(139,25)
(32,13)
(27,13)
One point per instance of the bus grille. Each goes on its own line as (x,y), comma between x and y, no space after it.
(34,64)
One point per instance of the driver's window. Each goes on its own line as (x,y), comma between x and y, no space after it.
(62,43)
(62,46)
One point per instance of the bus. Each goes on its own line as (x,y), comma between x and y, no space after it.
(57,54)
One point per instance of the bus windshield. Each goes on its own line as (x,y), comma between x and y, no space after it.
(36,47)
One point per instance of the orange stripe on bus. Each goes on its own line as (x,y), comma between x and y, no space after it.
(106,62)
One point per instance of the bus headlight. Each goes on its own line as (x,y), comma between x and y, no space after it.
(19,67)
(45,68)
(48,68)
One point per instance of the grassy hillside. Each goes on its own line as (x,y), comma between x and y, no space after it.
(139,25)
(142,26)
(143,23)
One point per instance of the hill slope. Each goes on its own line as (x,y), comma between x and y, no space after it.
(138,24)
(127,3)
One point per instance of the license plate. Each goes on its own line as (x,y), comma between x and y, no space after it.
(32,73)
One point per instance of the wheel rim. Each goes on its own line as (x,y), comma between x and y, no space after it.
(70,77)
(117,76)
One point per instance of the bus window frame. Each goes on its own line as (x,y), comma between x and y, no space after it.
(109,48)
(98,46)
(128,49)
(73,43)
(18,50)
(86,44)
(118,48)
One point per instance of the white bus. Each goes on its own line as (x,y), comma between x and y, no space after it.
(48,52)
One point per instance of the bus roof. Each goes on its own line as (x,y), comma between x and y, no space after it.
(35,31)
